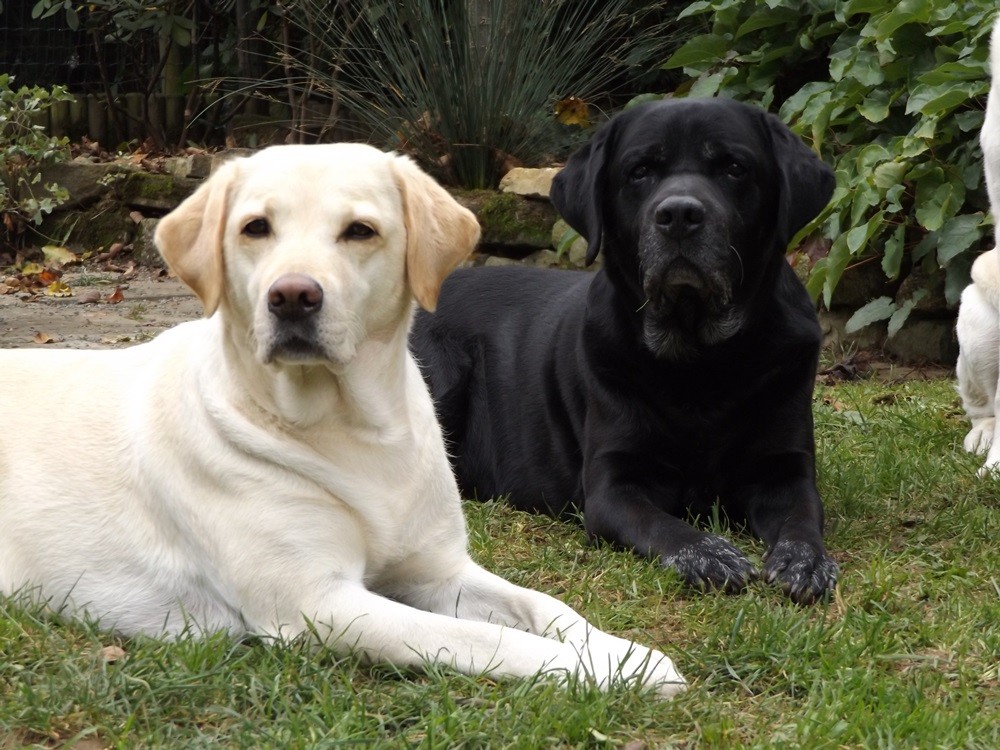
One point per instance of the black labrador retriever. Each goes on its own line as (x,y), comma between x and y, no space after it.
(677,378)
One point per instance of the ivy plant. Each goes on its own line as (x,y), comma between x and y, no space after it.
(24,148)
(892,94)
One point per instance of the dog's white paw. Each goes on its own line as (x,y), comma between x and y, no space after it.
(621,662)
(980,437)
(989,469)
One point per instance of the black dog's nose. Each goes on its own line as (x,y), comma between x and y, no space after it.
(294,296)
(680,216)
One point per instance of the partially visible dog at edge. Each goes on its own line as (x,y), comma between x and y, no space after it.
(978,326)
(676,381)
(277,468)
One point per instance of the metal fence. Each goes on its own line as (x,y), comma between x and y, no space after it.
(118,84)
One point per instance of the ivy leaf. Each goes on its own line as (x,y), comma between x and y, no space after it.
(957,235)
(707,48)
(899,317)
(943,97)
(878,309)
(892,258)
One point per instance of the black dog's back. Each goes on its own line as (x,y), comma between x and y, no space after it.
(477,364)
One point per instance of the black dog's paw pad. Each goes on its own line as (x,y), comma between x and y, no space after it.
(803,572)
(711,562)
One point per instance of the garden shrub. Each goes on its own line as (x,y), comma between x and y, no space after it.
(892,93)
(24,149)
(470,88)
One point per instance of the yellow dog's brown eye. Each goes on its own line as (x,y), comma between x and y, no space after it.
(257,228)
(358,231)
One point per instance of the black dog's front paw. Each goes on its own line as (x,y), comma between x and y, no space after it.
(711,562)
(804,572)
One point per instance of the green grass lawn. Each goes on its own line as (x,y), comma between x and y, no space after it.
(906,655)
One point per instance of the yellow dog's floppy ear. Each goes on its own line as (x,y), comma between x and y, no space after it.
(190,237)
(440,233)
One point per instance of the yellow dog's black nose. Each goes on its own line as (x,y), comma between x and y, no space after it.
(294,296)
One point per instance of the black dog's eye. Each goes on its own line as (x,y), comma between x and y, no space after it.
(734,169)
(639,172)
(257,228)
(358,231)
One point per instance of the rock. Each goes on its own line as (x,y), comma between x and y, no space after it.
(925,340)
(543,259)
(834,337)
(576,253)
(529,183)
(933,301)
(83,179)
(496,260)
(144,250)
(155,192)
(512,225)
(195,166)
(860,284)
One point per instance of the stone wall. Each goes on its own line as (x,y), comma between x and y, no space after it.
(121,202)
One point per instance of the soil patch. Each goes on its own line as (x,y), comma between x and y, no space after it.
(151,302)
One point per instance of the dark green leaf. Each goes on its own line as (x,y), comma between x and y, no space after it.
(878,309)
(708,48)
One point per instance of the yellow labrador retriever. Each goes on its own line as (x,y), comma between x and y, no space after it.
(279,462)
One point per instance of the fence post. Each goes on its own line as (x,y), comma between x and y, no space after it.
(97,120)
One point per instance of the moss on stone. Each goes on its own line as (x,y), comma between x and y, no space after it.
(161,192)
(510,221)
(96,227)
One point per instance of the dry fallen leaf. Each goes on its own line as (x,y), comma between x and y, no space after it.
(115,297)
(112,654)
(31,268)
(45,338)
(58,256)
(573,111)
(58,289)
(112,340)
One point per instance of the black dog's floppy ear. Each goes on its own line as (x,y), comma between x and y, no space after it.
(578,190)
(806,181)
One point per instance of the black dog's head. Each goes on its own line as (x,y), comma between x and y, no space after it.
(693,202)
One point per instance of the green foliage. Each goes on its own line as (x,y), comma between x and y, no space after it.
(25,148)
(467,86)
(126,17)
(893,94)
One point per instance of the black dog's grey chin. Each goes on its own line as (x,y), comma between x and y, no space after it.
(687,310)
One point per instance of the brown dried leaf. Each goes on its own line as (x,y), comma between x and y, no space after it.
(111,654)
(57,256)
(49,276)
(45,338)
(30,269)
(573,111)
(115,297)
(58,289)
(113,340)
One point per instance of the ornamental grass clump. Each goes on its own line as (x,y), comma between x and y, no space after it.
(469,87)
